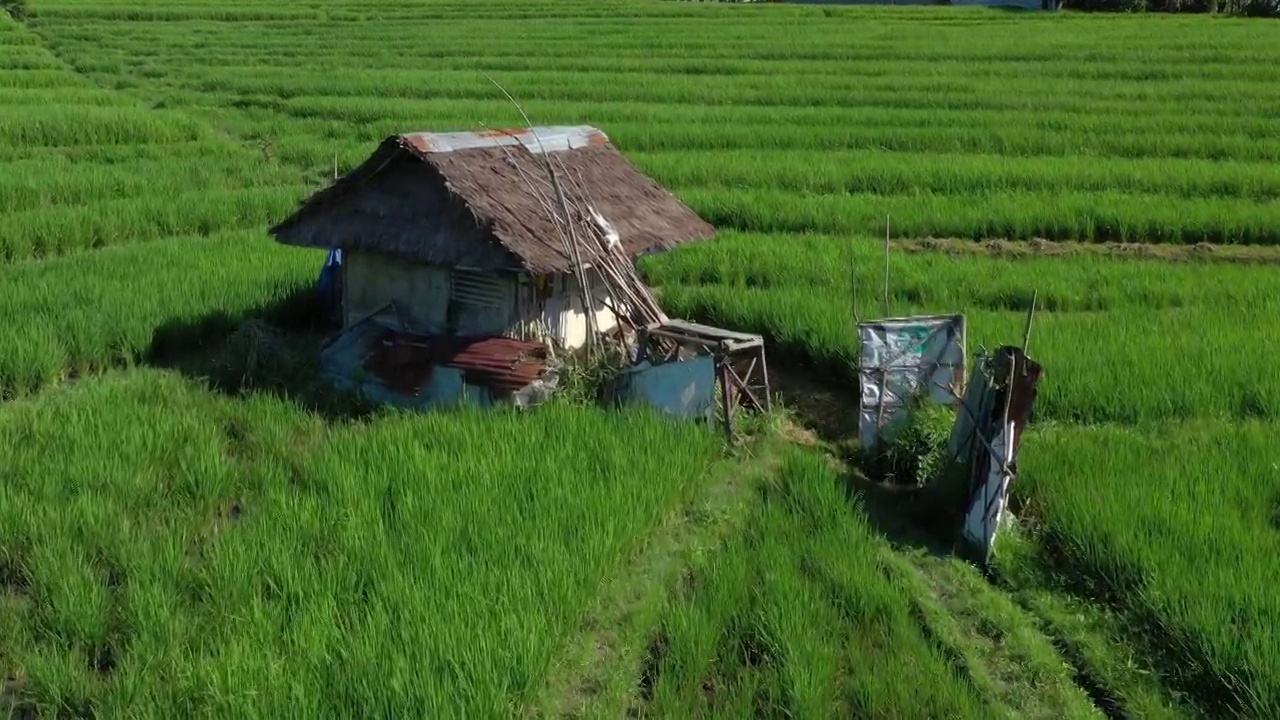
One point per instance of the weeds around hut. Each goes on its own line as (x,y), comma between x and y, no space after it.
(17,9)
(586,379)
(913,453)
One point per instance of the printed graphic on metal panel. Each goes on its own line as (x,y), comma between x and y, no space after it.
(904,358)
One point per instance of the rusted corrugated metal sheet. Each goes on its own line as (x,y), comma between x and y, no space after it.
(535,140)
(405,362)
(500,363)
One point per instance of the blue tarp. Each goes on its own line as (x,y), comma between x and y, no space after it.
(330,282)
(684,389)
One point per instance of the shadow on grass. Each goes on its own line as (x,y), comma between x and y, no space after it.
(271,349)
(823,396)
(1059,564)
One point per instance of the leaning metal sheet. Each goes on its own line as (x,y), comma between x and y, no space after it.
(901,358)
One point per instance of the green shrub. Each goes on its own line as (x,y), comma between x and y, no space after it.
(17,9)
(913,450)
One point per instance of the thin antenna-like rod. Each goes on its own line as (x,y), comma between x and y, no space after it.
(853,283)
(886,266)
(1031,316)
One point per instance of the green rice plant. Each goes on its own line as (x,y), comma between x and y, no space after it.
(11,97)
(1118,338)
(1183,543)
(26,57)
(64,229)
(174,552)
(1143,135)
(48,180)
(913,449)
(799,617)
(40,79)
(84,155)
(84,313)
(23,125)
(1103,216)
(959,175)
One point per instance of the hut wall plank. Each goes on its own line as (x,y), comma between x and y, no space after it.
(374,279)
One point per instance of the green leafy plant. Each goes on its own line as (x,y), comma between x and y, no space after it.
(914,448)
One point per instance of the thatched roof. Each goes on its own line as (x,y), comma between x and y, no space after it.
(479,200)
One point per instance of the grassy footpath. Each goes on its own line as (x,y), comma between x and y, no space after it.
(809,612)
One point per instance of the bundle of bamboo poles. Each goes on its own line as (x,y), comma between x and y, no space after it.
(567,202)
(586,241)
(638,305)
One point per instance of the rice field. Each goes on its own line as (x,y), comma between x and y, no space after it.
(783,622)
(1184,538)
(143,151)
(170,553)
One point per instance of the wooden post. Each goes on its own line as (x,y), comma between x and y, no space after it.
(1031,314)
(886,267)
(853,288)
(764,373)
(726,397)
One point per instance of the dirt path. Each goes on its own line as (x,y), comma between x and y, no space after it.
(988,635)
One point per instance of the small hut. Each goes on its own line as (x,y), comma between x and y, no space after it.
(449,236)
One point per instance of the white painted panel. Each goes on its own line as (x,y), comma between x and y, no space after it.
(606,319)
(573,321)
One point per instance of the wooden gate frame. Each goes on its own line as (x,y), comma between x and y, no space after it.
(675,340)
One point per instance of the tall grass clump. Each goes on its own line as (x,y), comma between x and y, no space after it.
(176,552)
(798,617)
(913,449)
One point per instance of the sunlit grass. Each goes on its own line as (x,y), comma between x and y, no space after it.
(181,554)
